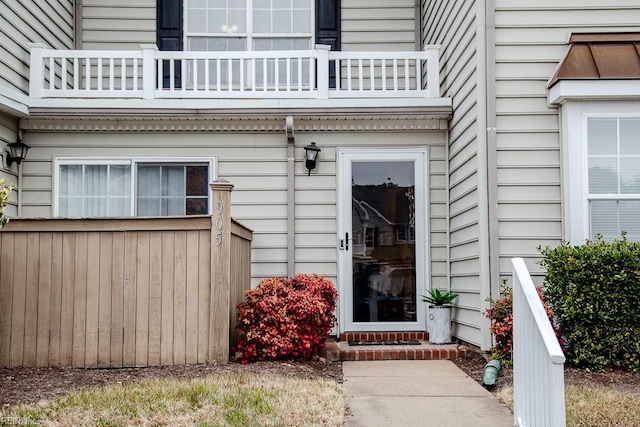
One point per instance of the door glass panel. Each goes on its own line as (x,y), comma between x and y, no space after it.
(383,241)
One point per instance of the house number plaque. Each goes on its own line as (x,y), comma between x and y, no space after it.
(219,222)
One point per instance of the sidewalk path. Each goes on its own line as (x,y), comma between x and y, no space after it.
(408,393)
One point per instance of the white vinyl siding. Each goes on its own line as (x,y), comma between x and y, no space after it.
(378,25)
(452,25)
(118,24)
(531,39)
(29,21)
(8,134)
(257,167)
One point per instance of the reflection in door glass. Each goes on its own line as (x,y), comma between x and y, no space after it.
(383,230)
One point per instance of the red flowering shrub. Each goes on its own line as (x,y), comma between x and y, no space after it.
(501,315)
(286,318)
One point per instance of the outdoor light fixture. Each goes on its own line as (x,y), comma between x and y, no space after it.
(311,154)
(17,152)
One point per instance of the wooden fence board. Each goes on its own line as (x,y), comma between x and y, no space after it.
(191,295)
(93,299)
(18,308)
(179,295)
(142,298)
(166,340)
(67,303)
(6,297)
(204,294)
(117,299)
(80,301)
(104,316)
(31,300)
(155,297)
(55,300)
(129,321)
(44,298)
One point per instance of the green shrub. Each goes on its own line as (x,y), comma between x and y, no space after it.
(286,318)
(594,290)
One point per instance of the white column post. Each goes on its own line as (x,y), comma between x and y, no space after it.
(322,64)
(36,70)
(148,70)
(433,71)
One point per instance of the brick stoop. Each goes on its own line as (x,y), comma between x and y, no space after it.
(341,350)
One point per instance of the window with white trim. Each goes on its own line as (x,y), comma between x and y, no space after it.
(613,159)
(227,25)
(136,187)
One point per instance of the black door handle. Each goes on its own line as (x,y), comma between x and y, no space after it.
(346,239)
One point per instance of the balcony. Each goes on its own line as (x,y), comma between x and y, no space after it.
(153,79)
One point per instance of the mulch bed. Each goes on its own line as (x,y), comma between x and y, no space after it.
(473,365)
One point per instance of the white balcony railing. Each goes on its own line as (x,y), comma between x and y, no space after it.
(538,361)
(152,74)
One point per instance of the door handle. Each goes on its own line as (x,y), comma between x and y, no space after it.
(346,240)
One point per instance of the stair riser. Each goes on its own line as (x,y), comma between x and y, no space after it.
(383,336)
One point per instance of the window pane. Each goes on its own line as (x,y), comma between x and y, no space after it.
(281,21)
(301,21)
(629,136)
(120,184)
(197,21)
(196,206)
(148,181)
(173,181)
(171,206)
(630,175)
(604,219)
(95,180)
(603,176)
(630,218)
(197,180)
(261,21)
(70,180)
(602,136)
(149,207)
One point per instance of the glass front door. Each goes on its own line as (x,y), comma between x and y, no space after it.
(382,239)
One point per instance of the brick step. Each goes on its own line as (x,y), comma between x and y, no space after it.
(335,351)
(384,336)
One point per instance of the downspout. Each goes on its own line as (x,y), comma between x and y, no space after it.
(77,25)
(483,168)
(492,150)
(291,197)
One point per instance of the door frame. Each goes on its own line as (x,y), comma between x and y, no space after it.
(420,157)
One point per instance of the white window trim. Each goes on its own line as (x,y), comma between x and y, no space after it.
(574,116)
(131,161)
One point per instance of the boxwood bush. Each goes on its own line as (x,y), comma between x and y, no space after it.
(594,291)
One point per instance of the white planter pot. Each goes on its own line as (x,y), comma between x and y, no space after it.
(439,324)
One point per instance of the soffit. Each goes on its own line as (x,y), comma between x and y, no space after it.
(596,56)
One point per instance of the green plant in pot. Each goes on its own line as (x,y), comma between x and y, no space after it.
(439,315)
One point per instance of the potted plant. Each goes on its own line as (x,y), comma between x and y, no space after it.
(439,315)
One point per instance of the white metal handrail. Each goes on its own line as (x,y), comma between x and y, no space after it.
(151,74)
(538,360)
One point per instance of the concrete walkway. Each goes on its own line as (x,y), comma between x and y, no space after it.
(407,393)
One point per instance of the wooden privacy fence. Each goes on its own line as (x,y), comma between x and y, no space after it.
(122,292)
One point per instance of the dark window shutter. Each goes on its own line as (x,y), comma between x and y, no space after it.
(328,29)
(169,25)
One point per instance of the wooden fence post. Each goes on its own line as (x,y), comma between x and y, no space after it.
(220,271)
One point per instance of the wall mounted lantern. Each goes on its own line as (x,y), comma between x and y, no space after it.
(17,152)
(311,154)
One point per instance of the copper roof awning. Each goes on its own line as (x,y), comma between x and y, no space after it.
(594,56)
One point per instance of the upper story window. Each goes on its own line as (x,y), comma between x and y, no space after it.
(231,25)
(137,187)
(613,158)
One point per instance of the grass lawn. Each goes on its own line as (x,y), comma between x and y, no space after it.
(595,406)
(227,399)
